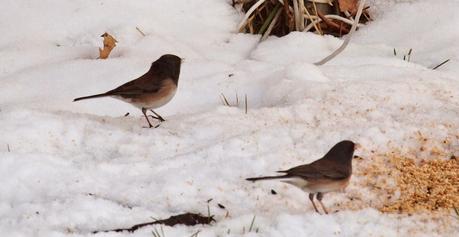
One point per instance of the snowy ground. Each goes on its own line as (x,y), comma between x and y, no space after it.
(67,168)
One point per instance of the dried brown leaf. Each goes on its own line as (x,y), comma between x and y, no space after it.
(348,5)
(109,44)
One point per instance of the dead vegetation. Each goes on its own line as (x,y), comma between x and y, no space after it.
(109,45)
(226,102)
(189,219)
(280,17)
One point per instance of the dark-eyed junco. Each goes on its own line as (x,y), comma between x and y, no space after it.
(150,91)
(327,174)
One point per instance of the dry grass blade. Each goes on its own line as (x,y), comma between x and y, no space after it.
(340,18)
(237,100)
(141,32)
(245,101)
(409,54)
(252,223)
(195,234)
(247,15)
(301,14)
(441,64)
(269,19)
(156,233)
(333,24)
(348,38)
(317,15)
(288,15)
(225,101)
(313,22)
(296,13)
(271,26)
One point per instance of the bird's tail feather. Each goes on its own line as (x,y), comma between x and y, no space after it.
(266,177)
(90,97)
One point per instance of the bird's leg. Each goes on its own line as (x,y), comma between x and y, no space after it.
(144,111)
(319,198)
(158,116)
(311,197)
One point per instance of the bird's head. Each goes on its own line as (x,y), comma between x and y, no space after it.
(342,151)
(167,65)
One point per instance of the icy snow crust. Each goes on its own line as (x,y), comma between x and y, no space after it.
(67,169)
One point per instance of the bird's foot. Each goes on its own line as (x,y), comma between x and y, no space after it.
(152,126)
(157,118)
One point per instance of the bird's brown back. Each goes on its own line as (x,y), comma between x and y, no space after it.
(147,83)
(166,68)
(320,169)
(336,164)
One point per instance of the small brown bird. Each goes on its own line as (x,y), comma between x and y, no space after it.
(150,91)
(328,174)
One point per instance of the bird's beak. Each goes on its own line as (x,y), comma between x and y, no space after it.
(182,60)
(357,146)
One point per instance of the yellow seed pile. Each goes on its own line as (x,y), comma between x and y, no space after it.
(420,183)
(424,185)
(395,183)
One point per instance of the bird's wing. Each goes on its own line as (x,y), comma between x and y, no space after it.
(317,170)
(138,86)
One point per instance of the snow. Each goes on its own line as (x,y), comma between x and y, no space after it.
(67,169)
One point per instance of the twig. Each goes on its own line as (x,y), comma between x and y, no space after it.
(143,34)
(441,64)
(347,40)
(8,147)
(189,219)
(395,52)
